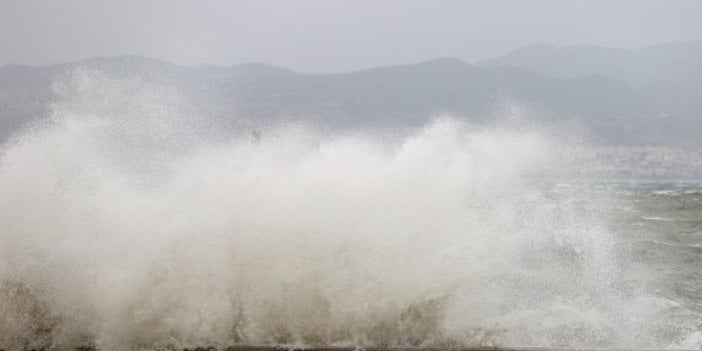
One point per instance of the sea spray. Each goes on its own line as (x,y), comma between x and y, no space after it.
(123,228)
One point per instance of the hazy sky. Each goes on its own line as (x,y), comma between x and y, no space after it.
(329,35)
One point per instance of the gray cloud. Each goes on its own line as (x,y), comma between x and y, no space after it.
(329,35)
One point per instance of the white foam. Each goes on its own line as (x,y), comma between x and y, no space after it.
(122,230)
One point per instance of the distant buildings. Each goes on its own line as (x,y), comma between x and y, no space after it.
(643,162)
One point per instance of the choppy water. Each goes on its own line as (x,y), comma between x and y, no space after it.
(662,226)
(658,225)
(124,228)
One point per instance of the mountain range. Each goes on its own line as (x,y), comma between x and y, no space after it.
(624,97)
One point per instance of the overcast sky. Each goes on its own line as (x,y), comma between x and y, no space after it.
(329,35)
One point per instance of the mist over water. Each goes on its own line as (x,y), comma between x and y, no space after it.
(123,226)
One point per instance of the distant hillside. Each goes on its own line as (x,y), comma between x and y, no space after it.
(679,63)
(668,75)
(252,95)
